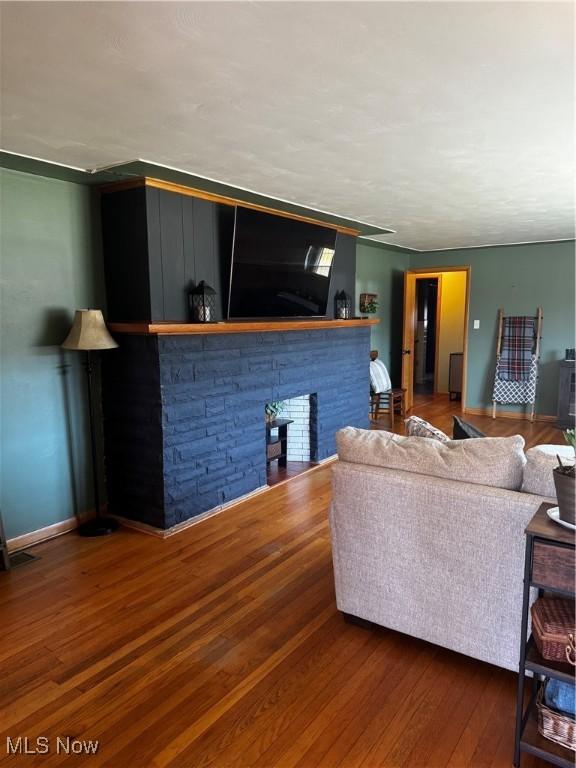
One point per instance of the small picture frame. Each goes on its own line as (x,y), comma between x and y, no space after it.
(368,302)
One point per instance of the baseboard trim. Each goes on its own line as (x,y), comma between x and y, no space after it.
(40,535)
(65,526)
(509,414)
(165,533)
(316,466)
(48,532)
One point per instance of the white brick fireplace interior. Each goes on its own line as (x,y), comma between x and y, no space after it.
(298,409)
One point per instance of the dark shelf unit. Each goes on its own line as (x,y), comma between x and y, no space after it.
(566,394)
(282,440)
(535,744)
(536,663)
(455,373)
(540,531)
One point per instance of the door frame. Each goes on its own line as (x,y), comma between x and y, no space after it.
(410,277)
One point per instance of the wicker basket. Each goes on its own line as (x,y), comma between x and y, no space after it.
(552,624)
(274,450)
(553,725)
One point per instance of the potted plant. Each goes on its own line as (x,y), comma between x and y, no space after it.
(368,303)
(371,306)
(274,409)
(564,480)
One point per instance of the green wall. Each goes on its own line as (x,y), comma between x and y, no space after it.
(517,278)
(50,265)
(381,270)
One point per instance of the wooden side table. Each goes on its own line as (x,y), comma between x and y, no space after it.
(549,566)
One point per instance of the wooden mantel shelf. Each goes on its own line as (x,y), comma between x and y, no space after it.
(180,329)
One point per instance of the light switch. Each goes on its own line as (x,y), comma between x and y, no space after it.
(476,324)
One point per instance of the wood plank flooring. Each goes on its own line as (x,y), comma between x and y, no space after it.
(222,646)
(439,410)
(277,474)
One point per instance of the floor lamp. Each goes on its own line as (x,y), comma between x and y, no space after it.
(89,334)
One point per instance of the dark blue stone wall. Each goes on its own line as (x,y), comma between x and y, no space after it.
(213,389)
(133,430)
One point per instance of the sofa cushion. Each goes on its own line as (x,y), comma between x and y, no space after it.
(493,461)
(417,427)
(540,463)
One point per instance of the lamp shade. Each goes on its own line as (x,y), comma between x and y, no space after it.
(89,332)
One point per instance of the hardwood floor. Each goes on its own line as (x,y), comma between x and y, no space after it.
(277,474)
(439,410)
(222,646)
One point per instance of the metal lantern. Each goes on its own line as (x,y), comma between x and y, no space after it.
(203,303)
(342,306)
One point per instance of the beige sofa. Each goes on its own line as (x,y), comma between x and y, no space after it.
(428,537)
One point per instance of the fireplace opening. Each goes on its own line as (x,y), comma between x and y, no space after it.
(290,437)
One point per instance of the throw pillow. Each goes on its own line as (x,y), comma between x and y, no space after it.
(379,378)
(416,427)
(462,430)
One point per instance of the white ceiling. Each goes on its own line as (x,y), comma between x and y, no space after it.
(450,123)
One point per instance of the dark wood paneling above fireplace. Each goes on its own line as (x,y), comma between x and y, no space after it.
(158,243)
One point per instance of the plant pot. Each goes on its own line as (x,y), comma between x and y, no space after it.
(565,486)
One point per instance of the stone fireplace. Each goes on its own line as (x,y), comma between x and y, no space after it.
(184,403)
(184,425)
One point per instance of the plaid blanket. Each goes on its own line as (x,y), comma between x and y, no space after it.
(517,347)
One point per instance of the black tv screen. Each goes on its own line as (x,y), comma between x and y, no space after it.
(281,267)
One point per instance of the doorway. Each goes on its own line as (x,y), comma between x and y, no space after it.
(426,335)
(434,348)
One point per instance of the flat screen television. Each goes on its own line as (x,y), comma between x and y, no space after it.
(281,267)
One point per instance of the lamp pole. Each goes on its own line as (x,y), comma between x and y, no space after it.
(89,334)
(95,474)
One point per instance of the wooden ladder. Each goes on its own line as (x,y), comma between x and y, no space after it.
(539,318)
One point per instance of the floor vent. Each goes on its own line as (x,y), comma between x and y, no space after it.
(21,558)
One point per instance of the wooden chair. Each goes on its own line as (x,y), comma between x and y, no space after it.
(391,401)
